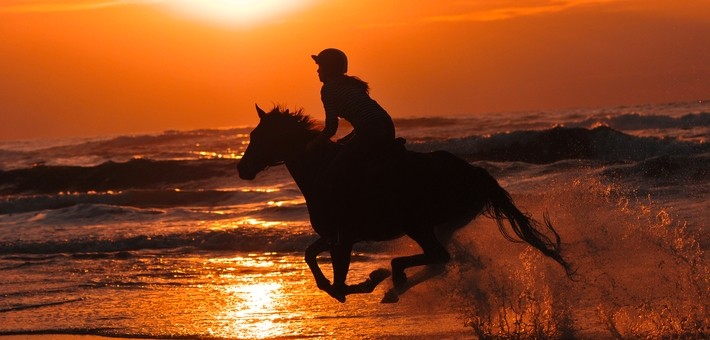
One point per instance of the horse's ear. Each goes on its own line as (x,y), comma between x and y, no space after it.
(260,111)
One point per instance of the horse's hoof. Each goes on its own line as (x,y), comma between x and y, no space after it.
(337,293)
(338,296)
(390,297)
(379,275)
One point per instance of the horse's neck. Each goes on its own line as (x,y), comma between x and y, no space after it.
(305,168)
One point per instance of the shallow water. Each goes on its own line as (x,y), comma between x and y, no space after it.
(222,295)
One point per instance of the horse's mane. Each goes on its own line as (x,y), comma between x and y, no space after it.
(297,117)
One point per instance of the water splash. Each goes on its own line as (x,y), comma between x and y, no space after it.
(641,272)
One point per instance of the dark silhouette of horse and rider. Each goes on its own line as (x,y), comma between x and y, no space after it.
(368,187)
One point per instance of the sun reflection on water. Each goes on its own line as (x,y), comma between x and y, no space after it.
(252,310)
(253,298)
(249,222)
(261,189)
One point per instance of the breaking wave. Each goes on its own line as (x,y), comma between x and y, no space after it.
(561,143)
(545,146)
(242,239)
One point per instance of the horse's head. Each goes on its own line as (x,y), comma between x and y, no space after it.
(279,136)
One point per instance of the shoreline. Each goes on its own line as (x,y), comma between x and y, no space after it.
(59,336)
(63,336)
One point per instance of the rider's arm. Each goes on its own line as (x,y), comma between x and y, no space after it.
(331,118)
(331,123)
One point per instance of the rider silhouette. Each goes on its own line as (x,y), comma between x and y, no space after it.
(348,97)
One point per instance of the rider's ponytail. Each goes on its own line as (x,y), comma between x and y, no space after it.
(358,83)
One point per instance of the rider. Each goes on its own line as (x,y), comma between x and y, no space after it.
(348,97)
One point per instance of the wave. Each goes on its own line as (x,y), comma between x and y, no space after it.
(155,178)
(425,122)
(665,170)
(631,121)
(116,203)
(635,121)
(562,143)
(243,239)
(622,122)
(169,145)
(136,173)
(38,305)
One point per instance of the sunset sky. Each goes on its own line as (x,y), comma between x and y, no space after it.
(100,67)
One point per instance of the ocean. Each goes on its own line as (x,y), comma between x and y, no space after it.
(155,235)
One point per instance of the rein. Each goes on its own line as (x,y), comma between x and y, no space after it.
(275,164)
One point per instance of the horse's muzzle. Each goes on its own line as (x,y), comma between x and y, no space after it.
(245,172)
(248,170)
(245,176)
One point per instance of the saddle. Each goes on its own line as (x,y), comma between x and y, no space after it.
(383,161)
(377,167)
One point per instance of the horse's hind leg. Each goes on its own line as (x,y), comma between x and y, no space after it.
(434,253)
(340,255)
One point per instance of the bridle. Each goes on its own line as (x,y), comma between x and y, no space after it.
(258,159)
(274,164)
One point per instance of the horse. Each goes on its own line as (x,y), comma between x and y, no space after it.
(425,196)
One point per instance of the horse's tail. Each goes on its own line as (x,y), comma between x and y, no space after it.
(501,207)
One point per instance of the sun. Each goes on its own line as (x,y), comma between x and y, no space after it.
(237,13)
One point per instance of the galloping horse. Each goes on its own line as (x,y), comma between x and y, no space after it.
(426,196)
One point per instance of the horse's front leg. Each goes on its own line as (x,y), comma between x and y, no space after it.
(340,258)
(317,247)
(340,254)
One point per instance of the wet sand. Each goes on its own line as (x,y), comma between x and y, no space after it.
(56,337)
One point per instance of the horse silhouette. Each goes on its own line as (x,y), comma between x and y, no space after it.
(426,196)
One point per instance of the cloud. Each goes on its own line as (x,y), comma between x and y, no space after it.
(47,6)
(506,9)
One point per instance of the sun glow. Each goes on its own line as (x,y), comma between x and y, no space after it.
(238,13)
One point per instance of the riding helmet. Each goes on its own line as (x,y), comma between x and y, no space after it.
(332,59)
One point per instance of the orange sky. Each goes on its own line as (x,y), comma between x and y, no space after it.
(97,67)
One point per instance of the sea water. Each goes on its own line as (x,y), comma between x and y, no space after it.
(156,236)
